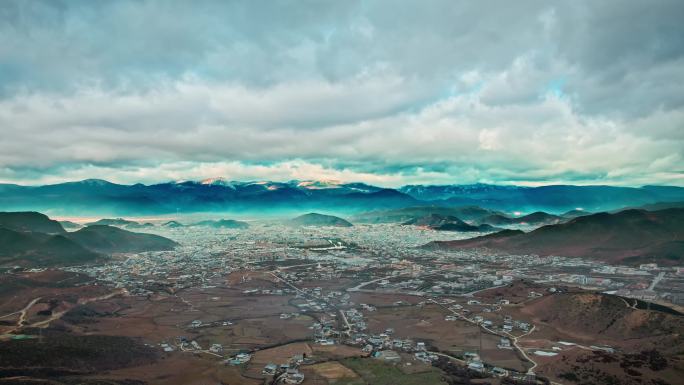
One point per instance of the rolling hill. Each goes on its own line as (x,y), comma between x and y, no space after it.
(41,249)
(111,222)
(120,222)
(30,221)
(447,223)
(414,213)
(224,224)
(631,236)
(536,218)
(109,239)
(172,224)
(574,214)
(319,220)
(69,225)
(596,315)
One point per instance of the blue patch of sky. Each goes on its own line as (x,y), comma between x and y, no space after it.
(555,88)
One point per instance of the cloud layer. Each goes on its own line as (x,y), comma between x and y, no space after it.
(382,92)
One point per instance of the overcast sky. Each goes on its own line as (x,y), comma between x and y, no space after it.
(384,92)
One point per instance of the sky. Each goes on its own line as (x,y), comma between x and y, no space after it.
(383,92)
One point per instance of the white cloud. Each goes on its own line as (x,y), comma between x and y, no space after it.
(218,130)
(443,92)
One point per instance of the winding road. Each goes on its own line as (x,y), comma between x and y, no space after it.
(513,338)
(23,321)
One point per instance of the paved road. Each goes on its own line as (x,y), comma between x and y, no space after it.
(656,280)
(486,288)
(514,339)
(362,284)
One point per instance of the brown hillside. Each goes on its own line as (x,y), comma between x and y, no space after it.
(596,316)
(633,236)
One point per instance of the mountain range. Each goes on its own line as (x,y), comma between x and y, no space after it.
(100,197)
(629,236)
(552,198)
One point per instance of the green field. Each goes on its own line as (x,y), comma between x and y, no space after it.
(380,373)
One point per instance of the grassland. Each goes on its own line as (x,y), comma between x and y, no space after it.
(377,372)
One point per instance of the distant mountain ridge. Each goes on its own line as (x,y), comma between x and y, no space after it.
(224,224)
(101,197)
(554,198)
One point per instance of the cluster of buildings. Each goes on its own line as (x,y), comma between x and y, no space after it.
(385,259)
(286,373)
(204,258)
